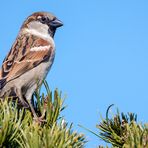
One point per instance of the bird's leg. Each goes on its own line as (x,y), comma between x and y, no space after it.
(32,109)
(21,98)
(28,96)
(45,109)
(35,117)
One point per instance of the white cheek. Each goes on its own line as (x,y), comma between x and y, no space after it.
(38,26)
(42,34)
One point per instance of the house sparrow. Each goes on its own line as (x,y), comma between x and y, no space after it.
(30,58)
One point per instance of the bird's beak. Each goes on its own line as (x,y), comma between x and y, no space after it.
(56,23)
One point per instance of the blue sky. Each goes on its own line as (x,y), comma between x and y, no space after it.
(101,55)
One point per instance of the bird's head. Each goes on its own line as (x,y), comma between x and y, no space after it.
(42,22)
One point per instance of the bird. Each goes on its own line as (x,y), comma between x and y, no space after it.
(30,58)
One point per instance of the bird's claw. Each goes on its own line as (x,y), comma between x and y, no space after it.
(39,120)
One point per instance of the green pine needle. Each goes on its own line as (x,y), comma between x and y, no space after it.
(18,129)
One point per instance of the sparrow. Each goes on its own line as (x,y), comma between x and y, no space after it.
(30,58)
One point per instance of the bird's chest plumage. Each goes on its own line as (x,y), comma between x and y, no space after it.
(38,73)
(44,51)
(42,70)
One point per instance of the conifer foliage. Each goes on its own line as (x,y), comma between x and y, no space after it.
(18,128)
(123,131)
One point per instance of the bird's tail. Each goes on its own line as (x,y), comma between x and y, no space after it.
(2,83)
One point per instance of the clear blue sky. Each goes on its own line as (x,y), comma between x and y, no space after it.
(101,54)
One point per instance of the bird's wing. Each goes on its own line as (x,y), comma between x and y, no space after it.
(25,54)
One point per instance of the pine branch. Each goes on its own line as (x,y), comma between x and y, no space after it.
(123,131)
(18,129)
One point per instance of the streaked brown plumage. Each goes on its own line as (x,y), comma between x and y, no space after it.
(30,57)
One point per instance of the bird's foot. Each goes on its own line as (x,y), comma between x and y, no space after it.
(39,120)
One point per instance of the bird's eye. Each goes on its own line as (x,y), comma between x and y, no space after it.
(43,19)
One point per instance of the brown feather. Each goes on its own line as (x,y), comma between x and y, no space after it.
(21,59)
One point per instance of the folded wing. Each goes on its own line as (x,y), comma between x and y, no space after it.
(25,54)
